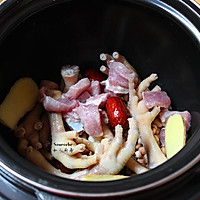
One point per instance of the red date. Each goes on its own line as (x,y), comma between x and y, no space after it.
(94,75)
(117,111)
(61,167)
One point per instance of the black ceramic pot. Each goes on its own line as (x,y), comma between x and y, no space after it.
(38,37)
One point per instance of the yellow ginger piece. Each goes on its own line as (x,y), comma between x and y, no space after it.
(20,99)
(175,135)
(94,177)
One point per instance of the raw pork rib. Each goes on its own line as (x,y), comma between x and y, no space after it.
(165,114)
(53,105)
(118,78)
(157,98)
(76,89)
(90,118)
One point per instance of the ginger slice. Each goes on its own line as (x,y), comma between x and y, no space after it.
(175,135)
(105,177)
(20,99)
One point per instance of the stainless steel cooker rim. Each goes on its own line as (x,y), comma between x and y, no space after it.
(172,173)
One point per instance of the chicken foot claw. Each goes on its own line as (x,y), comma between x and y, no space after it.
(144,119)
(117,142)
(127,150)
(64,148)
(114,157)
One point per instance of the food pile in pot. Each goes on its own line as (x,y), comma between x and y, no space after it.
(97,125)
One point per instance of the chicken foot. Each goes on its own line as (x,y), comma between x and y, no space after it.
(114,157)
(30,126)
(144,119)
(135,166)
(62,140)
(123,60)
(70,76)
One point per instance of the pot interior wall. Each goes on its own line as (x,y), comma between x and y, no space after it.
(73,33)
(76,33)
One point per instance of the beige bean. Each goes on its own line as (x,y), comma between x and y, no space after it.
(139,141)
(145,158)
(157,139)
(137,146)
(138,154)
(158,131)
(163,149)
(158,123)
(141,161)
(142,150)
